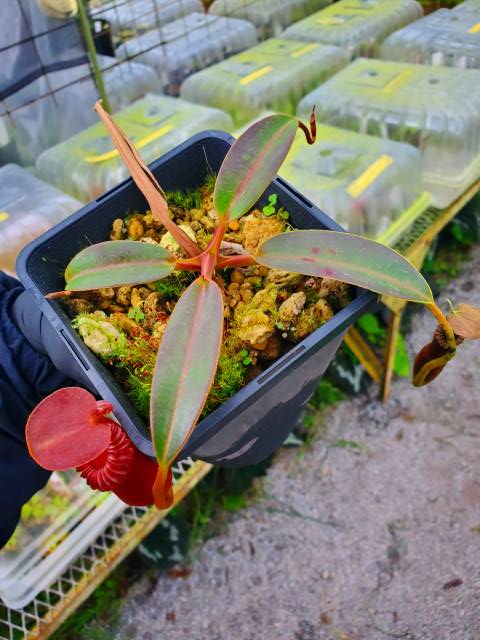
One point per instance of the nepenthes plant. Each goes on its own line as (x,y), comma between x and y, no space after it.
(189,350)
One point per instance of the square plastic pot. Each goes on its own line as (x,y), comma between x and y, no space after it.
(255,421)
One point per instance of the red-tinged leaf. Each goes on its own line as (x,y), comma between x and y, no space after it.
(117,263)
(185,368)
(346,257)
(251,164)
(465,322)
(67,429)
(145,181)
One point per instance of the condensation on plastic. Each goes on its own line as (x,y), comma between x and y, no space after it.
(134,17)
(28,207)
(370,186)
(468,6)
(441,38)
(45,520)
(189,45)
(41,122)
(436,109)
(87,165)
(358,26)
(270,17)
(272,76)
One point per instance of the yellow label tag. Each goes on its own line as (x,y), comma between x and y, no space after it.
(475,28)
(4,216)
(330,22)
(255,75)
(397,81)
(301,52)
(358,186)
(109,155)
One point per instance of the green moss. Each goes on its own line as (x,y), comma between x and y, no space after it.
(229,379)
(190,199)
(139,394)
(210,181)
(171,288)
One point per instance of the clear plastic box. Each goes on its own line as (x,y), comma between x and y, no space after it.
(270,17)
(468,6)
(87,165)
(188,45)
(441,38)
(436,109)
(370,186)
(358,26)
(274,75)
(134,17)
(28,207)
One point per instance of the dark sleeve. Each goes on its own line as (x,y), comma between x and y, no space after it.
(27,375)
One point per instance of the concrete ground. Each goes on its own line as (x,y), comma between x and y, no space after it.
(371,533)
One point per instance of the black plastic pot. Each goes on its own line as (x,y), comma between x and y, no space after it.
(252,424)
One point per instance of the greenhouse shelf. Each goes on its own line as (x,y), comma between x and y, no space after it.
(110,532)
(436,109)
(441,38)
(270,17)
(369,186)
(274,75)
(87,165)
(28,207)
(358,26)
(189,45)
(134,17)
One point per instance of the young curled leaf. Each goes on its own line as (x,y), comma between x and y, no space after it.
(185,367)
(346,257)
(117,263)
(465,322)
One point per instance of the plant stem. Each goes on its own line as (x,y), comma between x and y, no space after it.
(235,261)
(310,134)
(446,327)
(209,257)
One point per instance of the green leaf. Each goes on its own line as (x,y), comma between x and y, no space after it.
(401,364)
(251,164)
(184,371)
(348,258)
(117,263)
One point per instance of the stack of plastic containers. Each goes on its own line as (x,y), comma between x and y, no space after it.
(358,26)
(272,76)
(441,38)
(188,45)
(28,207)
(127,81)
(436,109)
(134,17)
(87,165)
(370,186)
(269,16)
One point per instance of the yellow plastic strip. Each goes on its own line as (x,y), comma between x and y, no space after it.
(398,80)
(109,155)
(255,75)
(301,52)
(475,28)
(358,186)
(4,216)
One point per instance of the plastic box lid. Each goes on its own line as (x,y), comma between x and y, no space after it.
(274,75)
(370,186)
(468,6)
(28,207)
(436,109)
(188,45)
(137,16)
(358,26)
(87,164)
(269,16)
(441,38)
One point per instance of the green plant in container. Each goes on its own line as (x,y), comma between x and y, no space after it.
(189,349)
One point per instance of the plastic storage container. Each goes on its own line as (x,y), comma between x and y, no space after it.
(188,45)
(358,26)
(468,6)
(87,165)
(253,423)
(36,124)
(134,17)
(269,16)
(28,207)
(441,38)
(274,75)
(436,109)
(371,187)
